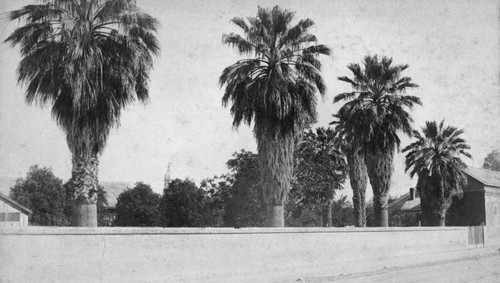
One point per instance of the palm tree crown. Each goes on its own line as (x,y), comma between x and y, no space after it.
(89,59)
(376,108)
(437,152)
(435,158)
(276,87)
(375,111)
(322,143)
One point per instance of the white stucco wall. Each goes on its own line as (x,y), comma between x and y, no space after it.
(492,206)
(231,255)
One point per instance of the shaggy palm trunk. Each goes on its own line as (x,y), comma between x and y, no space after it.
(358,180)
(424,188)
(275,154)
(439,213)
(433,202)
(380,167)
(84,183)
(426,210)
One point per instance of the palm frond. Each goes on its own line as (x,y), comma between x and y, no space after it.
(235,40)
(88,74)
(376,108)
(278,86)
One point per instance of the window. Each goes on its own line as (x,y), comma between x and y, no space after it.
(10,216)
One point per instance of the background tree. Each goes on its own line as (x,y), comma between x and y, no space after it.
(355,155)
(239,192)
(218,194)
(377,109)
(312,215)
(435,158)
(43,193)
(246,206)
(276,89)
(102,204)
(238,195)
(88,60)
(320,170)
(184,205)
(342,213)
(137,207)
(492,161)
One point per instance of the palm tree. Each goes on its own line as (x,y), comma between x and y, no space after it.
(88,59)
(275,89)
(377,111)
(435,158)
(355,156)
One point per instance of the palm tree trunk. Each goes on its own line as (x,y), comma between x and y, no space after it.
(274,216)
(424,187)
(275,154)
(358,180)
(380,168)
(433,201)
(442,221)
(84,182)
(426,215)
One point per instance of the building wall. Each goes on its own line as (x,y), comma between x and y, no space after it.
(5,208)
(50,254)
(492,206)
(473,185)
(492,236)
(480,205)
(470,209)
(467,211)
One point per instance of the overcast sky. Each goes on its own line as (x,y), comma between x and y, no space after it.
(452,48)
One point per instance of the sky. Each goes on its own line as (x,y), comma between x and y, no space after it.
(452,48)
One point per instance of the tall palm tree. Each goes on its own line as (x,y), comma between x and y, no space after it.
(88,59)
(377,109)
(276,89)
(435,158)
(355,156)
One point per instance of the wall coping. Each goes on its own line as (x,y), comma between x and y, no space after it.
(38,230)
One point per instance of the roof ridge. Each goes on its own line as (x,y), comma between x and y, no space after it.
(485,176)
(15,203)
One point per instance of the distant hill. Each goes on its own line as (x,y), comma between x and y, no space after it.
(114,189)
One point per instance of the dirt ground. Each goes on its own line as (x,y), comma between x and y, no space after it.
(477,269)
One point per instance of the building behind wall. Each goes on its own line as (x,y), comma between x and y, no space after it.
(405,210)
(12,213)
(480,204)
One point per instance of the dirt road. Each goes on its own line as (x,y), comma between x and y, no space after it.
(478,269)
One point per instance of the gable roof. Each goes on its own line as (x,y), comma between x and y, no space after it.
(411,205)
(399,202)
(15,204)
(404,203)
(485,176)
